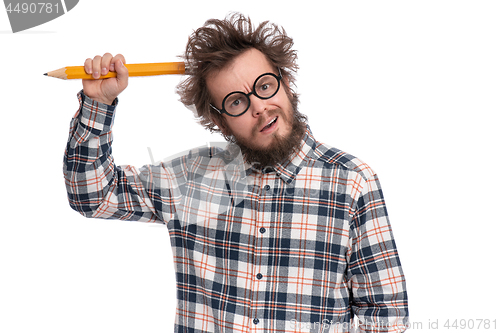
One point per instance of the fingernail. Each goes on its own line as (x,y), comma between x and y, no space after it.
(96,75)
(104,70)
(119,63)
(112,67)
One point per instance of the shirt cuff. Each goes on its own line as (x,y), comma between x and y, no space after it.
(96,115)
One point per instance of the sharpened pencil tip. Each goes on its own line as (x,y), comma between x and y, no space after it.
(45,74)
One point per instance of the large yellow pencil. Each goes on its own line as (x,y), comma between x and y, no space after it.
(146,69)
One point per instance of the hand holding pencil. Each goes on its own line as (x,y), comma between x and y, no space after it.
(105,90)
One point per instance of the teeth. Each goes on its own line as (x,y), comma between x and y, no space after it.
(272,121)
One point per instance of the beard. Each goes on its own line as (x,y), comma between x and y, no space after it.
(281,147)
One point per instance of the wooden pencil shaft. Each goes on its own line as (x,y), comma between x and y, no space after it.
(145,69)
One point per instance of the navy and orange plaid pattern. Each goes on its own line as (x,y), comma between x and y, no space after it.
(300,247)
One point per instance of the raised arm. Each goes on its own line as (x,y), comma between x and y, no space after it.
(96,186)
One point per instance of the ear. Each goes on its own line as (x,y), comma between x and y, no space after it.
(286,82)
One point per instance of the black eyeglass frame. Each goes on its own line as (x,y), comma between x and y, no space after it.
(278,78)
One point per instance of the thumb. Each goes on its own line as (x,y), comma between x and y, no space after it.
(121,74)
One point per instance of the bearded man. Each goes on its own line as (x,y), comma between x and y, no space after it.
(276,233)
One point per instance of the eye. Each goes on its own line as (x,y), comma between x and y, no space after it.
(236,102)
(266,86)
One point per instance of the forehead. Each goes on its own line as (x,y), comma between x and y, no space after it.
(239,74)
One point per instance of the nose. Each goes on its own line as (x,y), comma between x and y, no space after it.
(257,106)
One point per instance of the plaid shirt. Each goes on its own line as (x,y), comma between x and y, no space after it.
(300,247)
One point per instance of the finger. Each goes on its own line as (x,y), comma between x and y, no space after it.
(88,66)
(105,63)
(96,67)
(115,59)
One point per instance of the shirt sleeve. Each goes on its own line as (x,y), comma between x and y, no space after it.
(98,188)
(375,275)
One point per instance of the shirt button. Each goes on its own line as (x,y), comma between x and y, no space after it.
(262,230)
(259,276)
(267,187)
(255,321)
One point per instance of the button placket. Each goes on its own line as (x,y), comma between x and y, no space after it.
(259,256)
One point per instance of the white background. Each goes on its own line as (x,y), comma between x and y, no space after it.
(410,87)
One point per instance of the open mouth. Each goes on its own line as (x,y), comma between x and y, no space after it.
(270,124)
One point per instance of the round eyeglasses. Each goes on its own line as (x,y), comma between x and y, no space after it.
(237,103)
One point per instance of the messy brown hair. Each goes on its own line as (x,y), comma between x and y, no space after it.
(214,45)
